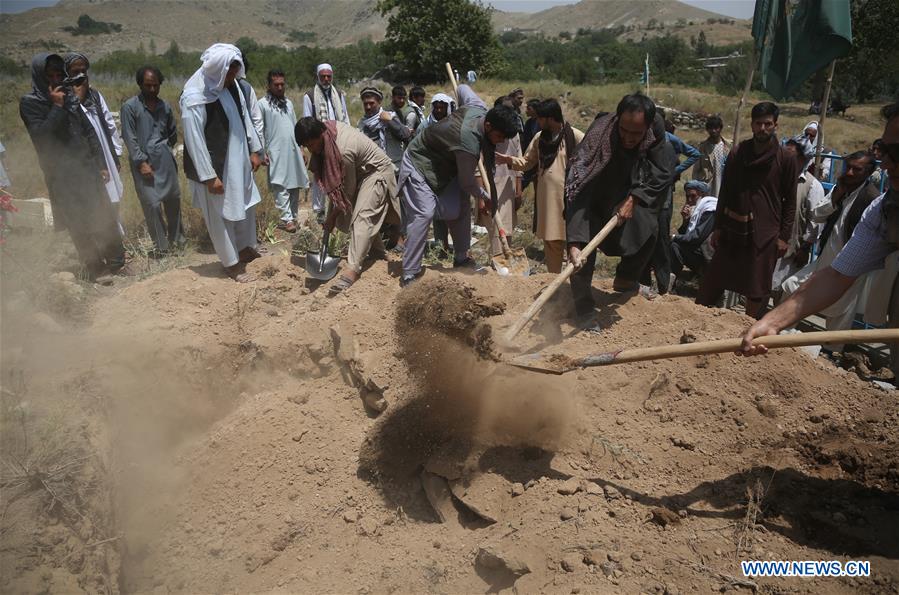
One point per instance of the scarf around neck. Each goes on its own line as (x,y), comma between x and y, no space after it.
(594,153)
(322,97)
(279,104)
(549,145)
(705,204)
(328,169)
(373,127)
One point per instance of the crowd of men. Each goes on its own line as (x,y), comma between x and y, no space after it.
(757,220)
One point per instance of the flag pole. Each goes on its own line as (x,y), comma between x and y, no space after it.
(749,77)
(647,75)
(819,145)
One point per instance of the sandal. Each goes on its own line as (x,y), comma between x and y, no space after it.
(240,274)
(342,284)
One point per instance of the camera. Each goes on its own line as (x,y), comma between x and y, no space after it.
(74,81)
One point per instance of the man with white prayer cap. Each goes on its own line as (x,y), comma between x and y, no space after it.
(324,102)
(442,105)
(221,152)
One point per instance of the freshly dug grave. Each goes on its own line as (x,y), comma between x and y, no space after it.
(261,469)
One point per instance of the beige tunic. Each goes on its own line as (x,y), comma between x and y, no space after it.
(550,188)
(505,194)
(370,185)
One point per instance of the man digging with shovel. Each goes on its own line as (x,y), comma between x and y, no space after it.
(437,176)
(358,179)
(623,166)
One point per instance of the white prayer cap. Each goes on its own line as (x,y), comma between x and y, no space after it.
(324,66)
(442,98)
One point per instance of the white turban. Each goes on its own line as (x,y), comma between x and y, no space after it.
(443,98)
(325,66)
(209,80)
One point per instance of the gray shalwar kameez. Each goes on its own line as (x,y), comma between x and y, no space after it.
(423,199)
(286,171)
(150,136)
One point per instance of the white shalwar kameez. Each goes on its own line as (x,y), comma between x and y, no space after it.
(114,187)
(230,217)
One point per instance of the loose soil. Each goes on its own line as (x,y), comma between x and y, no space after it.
(209,439)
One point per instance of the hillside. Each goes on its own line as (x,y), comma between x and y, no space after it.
(197,24)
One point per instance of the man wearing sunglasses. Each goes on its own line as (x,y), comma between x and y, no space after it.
(874,238)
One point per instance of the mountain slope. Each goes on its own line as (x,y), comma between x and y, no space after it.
(196,24)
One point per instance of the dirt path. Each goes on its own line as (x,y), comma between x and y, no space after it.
(241,456)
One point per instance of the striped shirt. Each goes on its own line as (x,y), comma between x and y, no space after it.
(868,246)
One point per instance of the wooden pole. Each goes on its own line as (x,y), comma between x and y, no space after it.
(819,145)
(752,64)
(646,67)
(732,345)
(705,348)
(503,239)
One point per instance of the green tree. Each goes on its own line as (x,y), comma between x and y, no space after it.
(422,35)
(702,46)
(872,68)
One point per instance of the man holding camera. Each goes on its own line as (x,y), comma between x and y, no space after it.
(75,170)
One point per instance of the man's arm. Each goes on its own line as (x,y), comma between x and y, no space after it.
(814,200)
(467,165)
(398,129)
(826,208)
(823,289)
(654,177)
(256,118)
(692,155)
(42,125)
(522,163)
(346,113)
(307,106)
(129,134)
(789,177)
(110,124)
(700,232)
(171,129)
(466,96)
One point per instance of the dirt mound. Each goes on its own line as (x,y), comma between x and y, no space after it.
(464,400)
(241,457)
(444,307)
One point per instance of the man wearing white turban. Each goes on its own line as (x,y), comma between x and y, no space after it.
(324,102)
(221,152)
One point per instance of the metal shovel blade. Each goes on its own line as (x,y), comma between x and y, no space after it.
(319,265)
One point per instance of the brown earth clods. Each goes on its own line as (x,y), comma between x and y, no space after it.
(228,452)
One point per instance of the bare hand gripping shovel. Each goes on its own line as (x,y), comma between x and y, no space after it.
(320,265)
(559,364)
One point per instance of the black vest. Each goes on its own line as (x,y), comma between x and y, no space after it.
(864,198)
(216,133)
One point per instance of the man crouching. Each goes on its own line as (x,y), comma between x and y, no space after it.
(358,179)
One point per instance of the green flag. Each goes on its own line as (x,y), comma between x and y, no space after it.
(797,38)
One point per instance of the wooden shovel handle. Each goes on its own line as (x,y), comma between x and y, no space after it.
(503,241)
(731,345)
(559,280)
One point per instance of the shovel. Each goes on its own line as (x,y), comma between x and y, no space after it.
(559,364)
(510,263)
(320,265)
